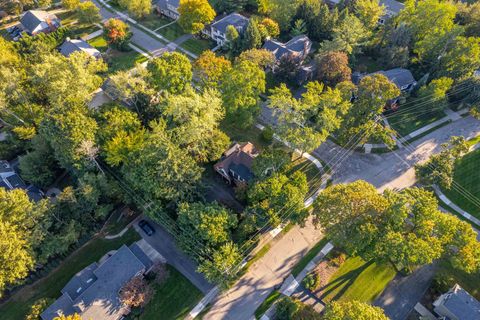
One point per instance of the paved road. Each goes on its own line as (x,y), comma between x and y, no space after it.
(401,294)
(394,169)
(391,170)
(241,301)
(164,243)
(139,37)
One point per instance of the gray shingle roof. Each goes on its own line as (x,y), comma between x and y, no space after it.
(33,18)
(163,4)
(295,45)
(70,46)
(392,6)
(401,77)
(93,292)
(233,19)
(461,304)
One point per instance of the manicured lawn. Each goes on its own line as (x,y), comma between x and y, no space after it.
(309,256)
(314,175)
(197,46)
(49,287)
(467,175)
(154,21)
(173,299)
(171,32)
(118,60)
(99,43)
(410,119)
(272,297)
(358,280)
(70,20)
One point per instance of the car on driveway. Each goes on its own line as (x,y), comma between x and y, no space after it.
(146,227)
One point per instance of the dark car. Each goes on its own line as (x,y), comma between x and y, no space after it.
(146,227)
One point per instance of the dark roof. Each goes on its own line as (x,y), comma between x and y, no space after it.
(233,19)
(460,303)
(242,170)
(16,182)
(392,6)
(98,298)
(138,252)
(401,77)
(70,46)
(32,18)
(4,185)
(163,4)
(80,282)
(5,166)
(295,45)
(34,193)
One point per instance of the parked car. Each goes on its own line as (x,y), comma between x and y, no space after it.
(146,227)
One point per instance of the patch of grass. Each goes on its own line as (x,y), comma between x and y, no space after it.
(468,281)
(309,256)
(267,303)
(99,43)
(314,175)
(154,21)
(474,141)
(197,46)
(238,134)
(466,174)
(172,32)
(119,60)
(79,31)
(49,287)
(173,299)
(67,17)
(410,119)
(359,280)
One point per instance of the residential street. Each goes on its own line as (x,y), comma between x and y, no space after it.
(390,170)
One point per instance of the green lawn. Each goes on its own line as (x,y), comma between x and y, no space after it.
(410,119)
(197,46)
(49,287)
(99,43)
(120,61)
(272,297)
(173,299)
(154,21)
(467,175)
(172,32)
(474,141)
(309,256)
(70,20)
(358,280)
(314,175)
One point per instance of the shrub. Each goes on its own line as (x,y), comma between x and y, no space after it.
(267,134)
(311,281)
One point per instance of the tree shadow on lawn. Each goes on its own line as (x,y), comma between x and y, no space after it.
(346,280)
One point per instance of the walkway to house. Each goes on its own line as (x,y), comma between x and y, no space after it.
(452,205)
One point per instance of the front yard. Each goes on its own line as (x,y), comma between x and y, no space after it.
(467,175)
(173,299)
(314,175)
(356,279)
(197,46)
(18,306)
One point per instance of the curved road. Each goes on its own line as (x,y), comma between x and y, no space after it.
(390,170)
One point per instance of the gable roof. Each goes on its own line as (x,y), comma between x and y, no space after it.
(401,77)
(33,18)
(93,292)
(70,46)
(163,4)
(460,304)
(392,6)
(233,19)
(239,159)
(296,45)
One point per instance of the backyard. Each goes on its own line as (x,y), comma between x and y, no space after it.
(18,306)
(357,279)
(467,175)
(173,299)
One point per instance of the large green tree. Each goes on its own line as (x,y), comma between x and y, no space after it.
(194,15)
(209,69)
(171,72)
(222,268)
(346,310)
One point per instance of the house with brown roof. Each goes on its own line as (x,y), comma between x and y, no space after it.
(236,164)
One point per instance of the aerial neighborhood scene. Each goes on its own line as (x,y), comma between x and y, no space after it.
(240,159)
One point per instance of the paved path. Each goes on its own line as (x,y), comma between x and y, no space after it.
(402,293)
(164,243)
(452,205)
